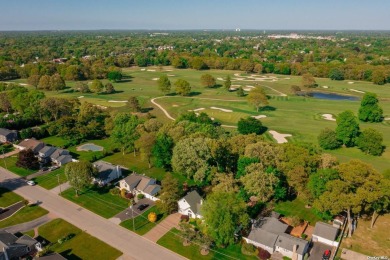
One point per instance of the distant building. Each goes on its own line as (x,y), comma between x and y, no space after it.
(107,172)
(8,136)
(140,184)
(190,205)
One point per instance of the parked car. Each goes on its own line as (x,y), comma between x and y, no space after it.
(142,207)
(326,255)
(31,183)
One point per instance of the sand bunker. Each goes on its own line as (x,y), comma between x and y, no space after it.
(355,90)
(259,116)
(143,69)
(250,86)
(387,118)
(175,105)
(80,96)
(222,109)
(238,79)
(280,138)
(247,89)
(168,70)
(237,74)
(171,75)
(155,78)
(350,82)
(328,117)
(220,79)
(198,109)
(325,87)
(152,70)
(117,101)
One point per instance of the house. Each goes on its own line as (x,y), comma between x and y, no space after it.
(190,205)
(140,184)
(60,157)
(13,247)
(45,152)
(32,144)
(8,136)
(107,172)
(325,234)
(270,234)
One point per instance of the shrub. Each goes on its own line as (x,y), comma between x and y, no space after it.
(263,254)
(114,191)
(140,196)
(129,196)
(184,218)
(152,217)
(248,249)
(123,193)
(303,236)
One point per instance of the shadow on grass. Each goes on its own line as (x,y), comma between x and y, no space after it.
(68,255)
(267,108)
(195,93)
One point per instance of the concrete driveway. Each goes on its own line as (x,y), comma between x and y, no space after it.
(127,214)
(318,250)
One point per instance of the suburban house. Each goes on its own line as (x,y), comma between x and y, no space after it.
(140,184)
(32,144)
(325,233)
(45,152)
(190,205)
(13,247)
(270,234)
(8,136)
(107,172)
(60,157)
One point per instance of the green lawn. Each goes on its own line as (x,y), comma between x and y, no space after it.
(172,241)
(50,180)
(8,198)
(26,214)
(141,223)
(81,246)
(296,207)
(10,164)
(98,200)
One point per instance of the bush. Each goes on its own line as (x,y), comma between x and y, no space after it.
(303,236)
(140,196)
(129,196)
(263,254)
(248,249)
(123,193)
(327,139)
(184,218)
(114,191)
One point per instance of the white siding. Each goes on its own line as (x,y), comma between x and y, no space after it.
(256,244)
(323,240)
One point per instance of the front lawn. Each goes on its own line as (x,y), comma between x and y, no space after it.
(8,198)
(297,207)
(10,164)
(50,180)
(98,200)
(80,246)
(141,223)
(173,241)
(26,214)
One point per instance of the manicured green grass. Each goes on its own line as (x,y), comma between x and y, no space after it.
(51,179)
(141,223)
(30,233)
(10,164)
(81,246)
(26,214)
(8,198)
(98,200)
(296,207)
(172,241)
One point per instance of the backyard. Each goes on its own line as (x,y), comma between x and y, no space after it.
(297,208)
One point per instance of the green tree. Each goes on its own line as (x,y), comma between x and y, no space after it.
(379,77)
(317,181)
(347,129)
(223,212)
(257,97)
(133,104)
(370,141)
(208,81)
(250,125)
(349,192)
(33,80)
(327,139)
(162,151)
(96,86)
(56,82)
(169,194)
(145,145)
(308,81)
(369,110)
(82,87)
(336,74)
(164,84)
(79,174)
(27,160)
(240,92)
(228,83)
(182,87)
(115,76)
(44,82)
(109,88)
(244,162)
(124,132)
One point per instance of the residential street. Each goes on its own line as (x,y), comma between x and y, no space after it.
(132,245)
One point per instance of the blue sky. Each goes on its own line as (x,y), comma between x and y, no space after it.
(194,14)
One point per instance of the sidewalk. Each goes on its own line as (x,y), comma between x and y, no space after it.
(9,154)
(61,188)
(163,227)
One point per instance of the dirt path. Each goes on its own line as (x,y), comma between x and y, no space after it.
(163,227)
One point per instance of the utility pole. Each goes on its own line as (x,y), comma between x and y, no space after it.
(58,179)
(5,162)
(132,216)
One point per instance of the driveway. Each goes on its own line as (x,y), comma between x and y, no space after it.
(9,211)
(127,214)
(9,154)
(163,227)
(132,245)
(24,227)
(318,250)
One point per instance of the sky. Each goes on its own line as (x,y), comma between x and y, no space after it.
(194,14)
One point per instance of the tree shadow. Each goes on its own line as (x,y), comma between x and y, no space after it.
(70,256)
(146,109)
(194,93)
(267,108)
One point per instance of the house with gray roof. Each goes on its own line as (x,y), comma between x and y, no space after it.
(106,172)
(270,234)
(60,157)
(190,205)
(32,144)
(45,152)
(325,233)
(8,136)
(12,247)
(140,184)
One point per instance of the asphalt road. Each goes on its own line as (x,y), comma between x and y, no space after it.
(132,245)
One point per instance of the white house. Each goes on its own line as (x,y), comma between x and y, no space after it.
(190,205)
(325,233)
(107,172)
(270,234)
(140,184)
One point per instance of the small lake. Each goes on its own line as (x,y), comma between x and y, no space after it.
(332,96)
